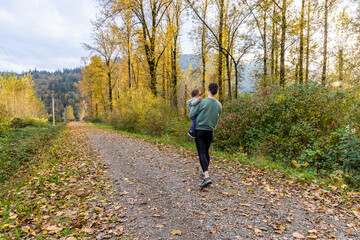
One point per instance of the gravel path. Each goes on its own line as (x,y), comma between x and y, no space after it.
(159,188)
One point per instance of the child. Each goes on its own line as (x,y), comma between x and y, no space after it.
(196,97)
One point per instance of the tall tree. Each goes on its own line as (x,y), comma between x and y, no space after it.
(106,45)
(301,55)
(150,14)
(218,36)
(221,9)
(308,41)
(174,21)
(326,11)
(282,42)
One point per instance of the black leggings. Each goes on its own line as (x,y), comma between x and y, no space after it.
(203,141)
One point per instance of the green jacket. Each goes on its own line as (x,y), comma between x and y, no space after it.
(207,112)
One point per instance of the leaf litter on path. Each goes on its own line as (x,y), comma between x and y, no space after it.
(68,197)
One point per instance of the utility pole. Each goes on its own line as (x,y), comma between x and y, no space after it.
(53,108)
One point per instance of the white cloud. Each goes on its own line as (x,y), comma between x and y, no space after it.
(46,34)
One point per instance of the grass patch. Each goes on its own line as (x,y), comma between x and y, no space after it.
(19,145)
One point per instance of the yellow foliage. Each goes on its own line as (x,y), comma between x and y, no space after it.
(18,98)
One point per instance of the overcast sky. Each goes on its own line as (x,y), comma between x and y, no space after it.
(44,34)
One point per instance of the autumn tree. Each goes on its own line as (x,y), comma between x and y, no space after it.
(217,32)
(18,97)
(106,46)
(69,113)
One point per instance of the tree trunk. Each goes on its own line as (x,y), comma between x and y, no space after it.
(110,91)
(308,43)
(220,57)
(174,72)
(203,48)
(129,68)
(236,80)
(323,78)
(228,73)
(341,64)
(163,80)
(282,43)
(265,53)
(273,44)
(301,77)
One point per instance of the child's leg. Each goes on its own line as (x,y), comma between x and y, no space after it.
(193,124)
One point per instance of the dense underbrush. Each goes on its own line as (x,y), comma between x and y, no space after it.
(308,127)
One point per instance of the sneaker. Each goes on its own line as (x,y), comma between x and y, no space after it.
(205,182)
(191,134)
(201,176)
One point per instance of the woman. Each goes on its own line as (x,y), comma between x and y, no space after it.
(207,112)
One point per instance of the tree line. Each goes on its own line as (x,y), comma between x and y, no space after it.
(18,98)
(136,48)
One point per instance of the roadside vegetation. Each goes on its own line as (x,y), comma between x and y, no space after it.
(20,141)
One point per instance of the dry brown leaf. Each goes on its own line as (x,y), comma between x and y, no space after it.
(357,213)
(12,215)
(313,231)
(312,237)
(87,230)
(257,230)
(331,236)
(123,193)
(298,235)
(176,232)
(245,204)
(54,228)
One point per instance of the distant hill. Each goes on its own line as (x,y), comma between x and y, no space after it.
(186,60)
(62,83)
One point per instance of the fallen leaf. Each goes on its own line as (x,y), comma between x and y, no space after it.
(357,214)
(12,215)
(297,235)
(245,204)
(123,193)
(331,236)
(176,232)
(312,237)
(312,231)
(257,230)
(213,231)
(280,229)
(87,230)
(54,228)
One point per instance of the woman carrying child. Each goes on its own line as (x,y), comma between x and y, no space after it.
(207,113)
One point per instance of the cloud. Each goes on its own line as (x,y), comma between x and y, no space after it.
(46,34)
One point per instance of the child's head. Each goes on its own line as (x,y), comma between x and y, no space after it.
(195,92)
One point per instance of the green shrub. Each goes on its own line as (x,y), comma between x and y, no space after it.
(25,122)
(58,119)
(302,124)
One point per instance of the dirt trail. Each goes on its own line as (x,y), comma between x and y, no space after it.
(159,188)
